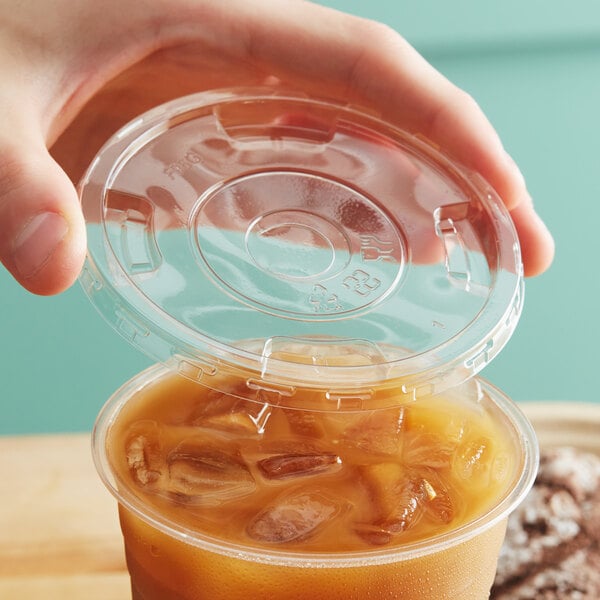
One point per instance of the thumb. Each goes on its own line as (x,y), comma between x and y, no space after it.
(42,231)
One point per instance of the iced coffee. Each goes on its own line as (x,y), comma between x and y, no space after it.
(226,496)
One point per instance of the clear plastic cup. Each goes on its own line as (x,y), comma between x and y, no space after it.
(322,289)
(174,556)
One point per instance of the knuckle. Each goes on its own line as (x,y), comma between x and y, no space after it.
(12,170)
(16,170)
(377,35)
(465,102)
(379,46)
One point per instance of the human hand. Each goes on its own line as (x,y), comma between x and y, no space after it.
(72,78)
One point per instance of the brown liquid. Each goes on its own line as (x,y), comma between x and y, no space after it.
(275,479)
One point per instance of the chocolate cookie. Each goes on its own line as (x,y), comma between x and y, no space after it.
(552,545)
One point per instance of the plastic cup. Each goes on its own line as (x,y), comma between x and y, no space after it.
(170,560)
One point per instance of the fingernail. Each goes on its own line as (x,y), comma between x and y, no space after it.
(37,241)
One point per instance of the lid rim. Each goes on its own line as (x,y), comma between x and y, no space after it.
(161,335)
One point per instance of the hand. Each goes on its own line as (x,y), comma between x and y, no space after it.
(73,77)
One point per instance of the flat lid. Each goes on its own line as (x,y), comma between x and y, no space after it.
(297,238)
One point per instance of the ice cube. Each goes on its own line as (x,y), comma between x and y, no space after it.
(501,468)
(293,518)
(399,498)
(377,433)
(437,501)
(304,423)
(233,415)
(202,474)
(410,503)
(290,446)
(373,534)
(410,506)
(429,450)
(143,449)
(285,466)
(383,481)
(450,426)
(472,461)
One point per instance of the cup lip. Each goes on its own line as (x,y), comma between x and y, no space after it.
(525,436)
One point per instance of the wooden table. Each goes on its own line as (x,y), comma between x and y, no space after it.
(59,532)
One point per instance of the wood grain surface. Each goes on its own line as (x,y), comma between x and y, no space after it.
(59,531)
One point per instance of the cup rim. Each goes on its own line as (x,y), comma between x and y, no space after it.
(524,435)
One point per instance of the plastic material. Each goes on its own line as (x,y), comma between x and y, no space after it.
(301,239)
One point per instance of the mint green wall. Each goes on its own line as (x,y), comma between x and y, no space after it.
(534,67)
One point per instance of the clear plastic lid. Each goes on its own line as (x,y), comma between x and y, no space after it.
(300,239)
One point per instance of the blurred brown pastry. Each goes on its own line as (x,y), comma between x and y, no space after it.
(552,546)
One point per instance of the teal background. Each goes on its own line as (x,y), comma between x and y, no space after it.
(534,67)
